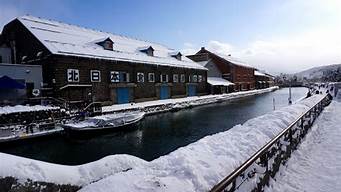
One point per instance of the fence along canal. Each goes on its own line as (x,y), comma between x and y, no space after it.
(255,172)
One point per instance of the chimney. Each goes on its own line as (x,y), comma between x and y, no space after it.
(202,48)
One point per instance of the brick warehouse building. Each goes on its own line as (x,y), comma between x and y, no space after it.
(81,64)
(227,68)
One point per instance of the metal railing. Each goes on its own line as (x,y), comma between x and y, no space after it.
(255,173)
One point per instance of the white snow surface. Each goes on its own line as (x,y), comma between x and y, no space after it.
(201,165)
(65,39)
(258,73)
(24,168)
(316,165)
(218,81)
(196,167)
(24,108)
(184,102)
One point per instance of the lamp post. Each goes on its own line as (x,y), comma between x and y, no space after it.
(289,82)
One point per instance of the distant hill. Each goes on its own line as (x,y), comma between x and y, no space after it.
(320,73)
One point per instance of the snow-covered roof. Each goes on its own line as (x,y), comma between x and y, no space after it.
(231,59)
(65,39)
(218,81)
(203,63)
(175,53)
(234,60)
(257,73)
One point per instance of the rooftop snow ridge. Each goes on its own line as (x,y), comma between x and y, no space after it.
(65,39)
(231,59)
(34,19)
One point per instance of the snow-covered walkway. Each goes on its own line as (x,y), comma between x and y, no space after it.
(157,106)
(316,165)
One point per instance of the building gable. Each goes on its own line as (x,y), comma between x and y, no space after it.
(24,45)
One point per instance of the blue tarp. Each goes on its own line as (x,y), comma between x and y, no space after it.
(9,83)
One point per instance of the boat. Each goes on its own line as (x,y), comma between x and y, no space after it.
(103,123)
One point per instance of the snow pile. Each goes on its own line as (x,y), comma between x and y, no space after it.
(316,165)
(24,108)
(23,168)
(201,165)
(179,103)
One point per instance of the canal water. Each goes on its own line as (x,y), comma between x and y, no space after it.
(158,134)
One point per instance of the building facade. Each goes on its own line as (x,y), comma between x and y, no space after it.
(263,80)
(84,65)
(226,68)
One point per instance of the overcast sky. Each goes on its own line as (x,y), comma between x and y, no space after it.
(273,35)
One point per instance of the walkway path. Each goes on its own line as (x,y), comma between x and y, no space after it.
(316,165)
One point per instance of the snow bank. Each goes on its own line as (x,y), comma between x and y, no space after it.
(316,165)
(23,168)
(201,165)
(178,103)
(24,108)
(196,167)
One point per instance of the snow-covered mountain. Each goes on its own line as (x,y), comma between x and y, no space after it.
(318,72)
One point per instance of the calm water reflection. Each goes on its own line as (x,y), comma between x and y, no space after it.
(158,134)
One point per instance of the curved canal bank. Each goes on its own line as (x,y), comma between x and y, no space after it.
(158,134)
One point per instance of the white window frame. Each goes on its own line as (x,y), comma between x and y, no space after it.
(76,78)
(161,80)
(195,78)
(99,76)
(175,78)
(182,78)
(199,78)
(114,73)
(149,77)
(137,77)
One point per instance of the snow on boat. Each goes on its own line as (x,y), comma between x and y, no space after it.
(105,122)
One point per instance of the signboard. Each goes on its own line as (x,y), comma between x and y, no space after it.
(73,75)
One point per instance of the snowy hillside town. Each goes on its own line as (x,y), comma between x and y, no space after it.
(106,97)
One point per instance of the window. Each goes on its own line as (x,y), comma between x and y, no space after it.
(95,75)
(124,77)
(183,78)
(114,76)
(163,78)
(0,59)
(108,45)
(140,77)
(73,75)
(151,77)
(195,78)
(199,78)
(175,78)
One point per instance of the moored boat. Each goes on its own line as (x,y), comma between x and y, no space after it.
(109,122)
